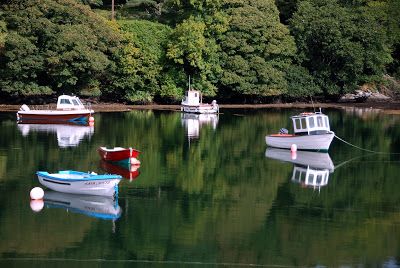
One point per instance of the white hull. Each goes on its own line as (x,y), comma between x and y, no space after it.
(96,206)
(200,109)
(106,187)
(315,160)
(320,142)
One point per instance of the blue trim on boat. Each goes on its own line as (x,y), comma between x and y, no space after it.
(103,216)
(85,176)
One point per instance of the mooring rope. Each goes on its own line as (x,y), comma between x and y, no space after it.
(363,149)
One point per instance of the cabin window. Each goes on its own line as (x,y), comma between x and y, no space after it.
(303,123)
(195,94)
(319,179)
(298,126)
(311,122)
(297,175)
(75,102)
(319,121)
(311,178)
(326,122)
(302,176)
(65,101)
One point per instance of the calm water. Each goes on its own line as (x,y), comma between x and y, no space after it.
(206,194)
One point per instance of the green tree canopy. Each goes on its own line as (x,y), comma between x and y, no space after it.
(56,46)
(256,49)
(342,47)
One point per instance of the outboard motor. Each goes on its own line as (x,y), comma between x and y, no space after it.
(283,131)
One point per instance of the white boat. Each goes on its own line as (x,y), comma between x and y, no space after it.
(316,160)
(68,135)
(193,103)
(309,177)
(311,169)
(76,182)
(102,207)
(194,122)
(311,132)
(69,109)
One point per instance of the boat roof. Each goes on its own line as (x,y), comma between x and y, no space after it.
(308,114)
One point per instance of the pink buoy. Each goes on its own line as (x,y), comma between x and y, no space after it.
(37,205)
(293,148)
(91,119)
(37,193)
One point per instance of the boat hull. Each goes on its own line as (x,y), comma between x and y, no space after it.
(120,155)
(315,160)
(320,142)
(200,109)
(54,116)
(103,187)
(101,207)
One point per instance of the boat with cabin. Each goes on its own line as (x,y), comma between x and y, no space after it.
(311,132)
(68,109)
(193,103)
(68,134)
(76,182)
(311,169)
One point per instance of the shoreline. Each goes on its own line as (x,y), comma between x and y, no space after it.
(387,107)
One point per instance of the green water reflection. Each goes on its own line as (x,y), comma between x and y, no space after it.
(206,193)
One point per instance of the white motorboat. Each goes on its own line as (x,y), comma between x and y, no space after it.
(311,132)
(311,169)
(68,135)
(69,109)
(316,160)
(76,182)
(193,103)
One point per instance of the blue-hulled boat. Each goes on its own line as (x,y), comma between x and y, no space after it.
(101,207)
(76,182)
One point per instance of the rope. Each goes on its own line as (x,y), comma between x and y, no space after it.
(366,150)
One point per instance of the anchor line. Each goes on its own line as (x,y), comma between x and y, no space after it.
(363,149)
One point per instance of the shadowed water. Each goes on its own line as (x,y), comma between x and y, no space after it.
(207,193)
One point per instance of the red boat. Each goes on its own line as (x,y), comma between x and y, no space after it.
(129,172)
(119,154)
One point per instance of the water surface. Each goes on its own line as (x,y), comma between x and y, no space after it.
(207,193)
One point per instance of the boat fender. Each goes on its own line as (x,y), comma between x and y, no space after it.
(24,107)
(283,131)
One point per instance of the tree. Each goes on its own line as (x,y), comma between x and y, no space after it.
(56,46)
(342,47)
(197,54)
(144,73)
(257,49)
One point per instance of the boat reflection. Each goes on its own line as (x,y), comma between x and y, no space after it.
(101,207)
(194,122)
(311,169)
(68,135)
(127,171)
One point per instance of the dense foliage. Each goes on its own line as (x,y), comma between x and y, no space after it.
(230,48)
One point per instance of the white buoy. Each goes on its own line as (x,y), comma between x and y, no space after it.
(293,148)
(37,205)
(37,193)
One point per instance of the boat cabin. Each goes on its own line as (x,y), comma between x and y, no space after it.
(66,102)
(192,97)
(310,177)
(311,123)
